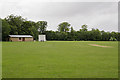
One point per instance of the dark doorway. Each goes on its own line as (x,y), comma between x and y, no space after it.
(23,39)
(19,38)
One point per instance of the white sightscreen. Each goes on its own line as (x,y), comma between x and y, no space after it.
(42,38)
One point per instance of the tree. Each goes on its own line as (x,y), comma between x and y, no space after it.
(72,34)
(63,27)
(50,35)
(34,32)
(72,30)
(30,28)
(16,23)
(118,36)
(114,35)
(105,36)
(84,27)
(112,39)
(42,26)
(95,35)
(5,30)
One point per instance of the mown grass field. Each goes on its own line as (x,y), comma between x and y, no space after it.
(60,59)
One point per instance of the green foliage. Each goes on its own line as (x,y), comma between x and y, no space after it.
(96,35)
(63,27)
(105,36)
(5,30)
(72,34)
(16,25)
(42,26)
(118,38)
(113,39)
(84,27)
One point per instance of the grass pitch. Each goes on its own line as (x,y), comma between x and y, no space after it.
(60,59)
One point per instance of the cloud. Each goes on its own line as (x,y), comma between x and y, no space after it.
(101,15)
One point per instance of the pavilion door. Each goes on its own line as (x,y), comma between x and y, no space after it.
(23,39)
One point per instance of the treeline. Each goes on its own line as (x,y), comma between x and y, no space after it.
(16,25)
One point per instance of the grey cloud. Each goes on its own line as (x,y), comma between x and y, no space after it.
(102,15)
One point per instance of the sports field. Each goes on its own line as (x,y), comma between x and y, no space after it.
(60,59)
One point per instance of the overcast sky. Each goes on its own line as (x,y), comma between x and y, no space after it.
(101,15)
